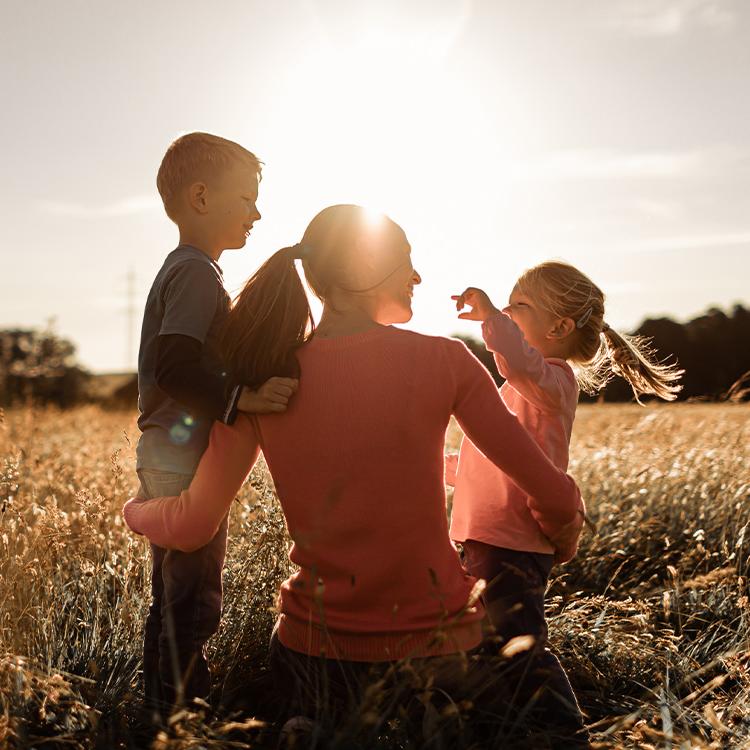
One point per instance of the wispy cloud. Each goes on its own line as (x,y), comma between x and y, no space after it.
(603,164)
(660,18)
(693,242)
(135,204)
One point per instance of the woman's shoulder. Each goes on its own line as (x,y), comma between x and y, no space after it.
(428,341)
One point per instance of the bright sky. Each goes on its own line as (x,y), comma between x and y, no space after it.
(614,135)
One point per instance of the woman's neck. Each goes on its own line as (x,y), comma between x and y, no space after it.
(344,322)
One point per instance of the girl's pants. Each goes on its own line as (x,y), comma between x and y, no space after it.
(514,600)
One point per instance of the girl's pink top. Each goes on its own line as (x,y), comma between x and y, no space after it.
(488,506)
(357,460)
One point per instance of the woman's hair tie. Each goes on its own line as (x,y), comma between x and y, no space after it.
(605,327)
(299,251)
(584,318)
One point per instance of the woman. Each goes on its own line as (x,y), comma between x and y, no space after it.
(357,458)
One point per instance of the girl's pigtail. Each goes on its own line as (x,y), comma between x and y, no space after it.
(270,318)
(634,359)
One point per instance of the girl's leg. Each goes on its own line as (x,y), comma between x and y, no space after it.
(514,599)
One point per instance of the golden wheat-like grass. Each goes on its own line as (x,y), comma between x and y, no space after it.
(651,619)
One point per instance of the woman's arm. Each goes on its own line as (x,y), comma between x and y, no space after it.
(189,521)
(547,385)
(554,498)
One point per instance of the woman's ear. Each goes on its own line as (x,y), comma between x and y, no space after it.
(562,328)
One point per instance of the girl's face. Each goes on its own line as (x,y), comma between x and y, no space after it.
(535,323)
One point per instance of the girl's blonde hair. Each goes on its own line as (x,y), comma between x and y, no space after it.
(598,351)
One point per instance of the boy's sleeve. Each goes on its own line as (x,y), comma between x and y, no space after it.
(190,296)
(546,385)
(554,498)
(189,521)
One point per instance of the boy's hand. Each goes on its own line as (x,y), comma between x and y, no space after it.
(272,396)
(481,305)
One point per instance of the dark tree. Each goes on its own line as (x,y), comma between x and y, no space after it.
(39,366)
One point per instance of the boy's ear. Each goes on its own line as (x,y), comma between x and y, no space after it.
(198,197)
(562,327)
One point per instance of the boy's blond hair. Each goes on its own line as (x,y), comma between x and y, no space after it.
(598,351)
(195,157)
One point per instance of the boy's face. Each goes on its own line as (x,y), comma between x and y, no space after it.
(231,206)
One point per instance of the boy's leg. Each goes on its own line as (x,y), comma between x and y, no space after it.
(151,679)
(156,483)
(190,614)
(514,599)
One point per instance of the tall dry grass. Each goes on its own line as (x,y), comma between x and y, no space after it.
(651,619)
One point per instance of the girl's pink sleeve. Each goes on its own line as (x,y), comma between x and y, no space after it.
(554,498)
(451,466)
(549,386)
(189,521)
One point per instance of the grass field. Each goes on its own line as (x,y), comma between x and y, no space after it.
(651,619)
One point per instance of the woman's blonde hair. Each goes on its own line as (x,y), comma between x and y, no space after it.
(598,351)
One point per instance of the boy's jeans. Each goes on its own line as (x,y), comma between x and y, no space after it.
(185,609)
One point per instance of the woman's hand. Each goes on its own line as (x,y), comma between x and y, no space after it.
(273,396)
(481,305)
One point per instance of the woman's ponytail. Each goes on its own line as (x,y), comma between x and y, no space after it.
(270,318)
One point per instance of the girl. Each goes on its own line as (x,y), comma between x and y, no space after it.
(378,578)
(554,322)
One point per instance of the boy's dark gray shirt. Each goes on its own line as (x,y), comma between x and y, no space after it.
(187,298)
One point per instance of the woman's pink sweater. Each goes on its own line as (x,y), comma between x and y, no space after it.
(487,505)
(357,460)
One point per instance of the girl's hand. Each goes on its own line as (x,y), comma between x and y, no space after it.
(481,305)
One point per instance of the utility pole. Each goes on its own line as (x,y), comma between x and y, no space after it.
(131,313)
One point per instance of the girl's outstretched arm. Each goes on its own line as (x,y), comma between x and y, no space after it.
(189,521)
(554,498)
(549,385)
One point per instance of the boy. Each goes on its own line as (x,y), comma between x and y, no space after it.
(209,187)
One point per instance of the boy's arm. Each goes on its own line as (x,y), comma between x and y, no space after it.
(189,521)
(547,385)
(554,498)
(180,374)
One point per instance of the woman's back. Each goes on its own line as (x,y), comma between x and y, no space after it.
(357,463)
